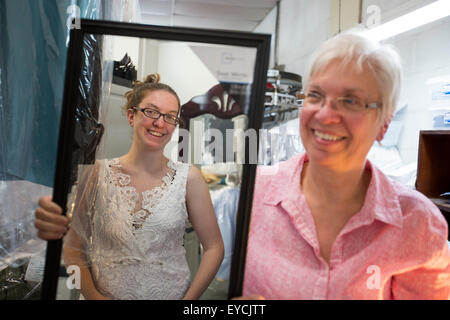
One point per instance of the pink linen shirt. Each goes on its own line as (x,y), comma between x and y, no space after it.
(394,248)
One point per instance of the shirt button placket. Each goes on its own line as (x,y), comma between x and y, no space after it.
(320,289)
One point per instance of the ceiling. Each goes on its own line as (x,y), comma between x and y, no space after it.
(243,15)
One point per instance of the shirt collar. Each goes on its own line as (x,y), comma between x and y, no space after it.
(285,181)
(381,201)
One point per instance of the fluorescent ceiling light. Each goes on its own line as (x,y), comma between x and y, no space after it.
(432,12)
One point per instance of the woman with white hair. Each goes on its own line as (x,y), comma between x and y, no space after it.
(329,224)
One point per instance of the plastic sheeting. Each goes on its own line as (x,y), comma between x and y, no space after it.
(225,201)
(33,52)
(32,60)
(88,129)
(280,143)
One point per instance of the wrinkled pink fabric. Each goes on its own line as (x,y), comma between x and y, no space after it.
(394,248)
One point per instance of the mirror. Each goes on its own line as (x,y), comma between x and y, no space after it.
(219,77)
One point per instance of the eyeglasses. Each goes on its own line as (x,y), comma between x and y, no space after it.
(317,100)
(155,114)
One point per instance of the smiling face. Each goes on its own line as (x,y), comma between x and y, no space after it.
(153,134)
(335,138)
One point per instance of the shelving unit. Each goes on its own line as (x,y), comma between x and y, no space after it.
(433,168)
(281,103)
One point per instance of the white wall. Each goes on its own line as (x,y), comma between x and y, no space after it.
(122,45)
(425,52)
(149,56)
(268,26)
(303,26)
(180,68)
(118,135)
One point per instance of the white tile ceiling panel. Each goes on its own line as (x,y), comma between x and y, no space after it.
(156,7)
(190,22)
(206,23)
(242,15)
(157,20)
(267,4)
(220,11)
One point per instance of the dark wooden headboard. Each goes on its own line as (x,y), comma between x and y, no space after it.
(217,101)
(224,100)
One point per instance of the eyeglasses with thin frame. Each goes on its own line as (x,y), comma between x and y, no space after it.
(314,99)
(155,114)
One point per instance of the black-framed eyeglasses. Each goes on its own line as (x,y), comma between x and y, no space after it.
(155,114)
(351,104)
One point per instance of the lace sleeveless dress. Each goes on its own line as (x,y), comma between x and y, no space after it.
(136,250)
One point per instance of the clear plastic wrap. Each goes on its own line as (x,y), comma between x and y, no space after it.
(32,62)
(225,202)
(88,133)
(33,52)
(280,143)
(18,243)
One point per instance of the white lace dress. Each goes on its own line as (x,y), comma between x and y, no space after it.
(136,250)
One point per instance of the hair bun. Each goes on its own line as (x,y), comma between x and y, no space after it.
(137,84)
(152,78)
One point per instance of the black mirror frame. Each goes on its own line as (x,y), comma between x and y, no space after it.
(67,124)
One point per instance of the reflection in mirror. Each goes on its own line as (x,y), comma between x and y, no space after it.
(134,235)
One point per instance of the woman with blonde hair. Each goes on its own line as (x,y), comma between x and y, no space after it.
(129,212)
